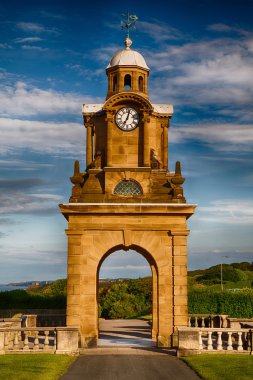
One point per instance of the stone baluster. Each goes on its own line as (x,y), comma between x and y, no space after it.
(26,341)
(54,342)
(46,341)
(211,321)
(16,340)
(200,340)
(239,347)
(209,341)
(6,341)
(189,322)
(219,341)
(230,347)
(202,321)
(224,321)
(36,341)
(196,321)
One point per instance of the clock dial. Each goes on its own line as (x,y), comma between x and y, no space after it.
(127,118)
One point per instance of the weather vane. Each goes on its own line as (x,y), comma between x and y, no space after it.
(128,21)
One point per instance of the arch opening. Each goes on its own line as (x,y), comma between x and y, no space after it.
(125,293)
(115,83)
(140,83)
(127,82)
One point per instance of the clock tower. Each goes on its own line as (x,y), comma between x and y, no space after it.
(127,199)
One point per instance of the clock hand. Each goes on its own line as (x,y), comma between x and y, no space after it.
(127,117)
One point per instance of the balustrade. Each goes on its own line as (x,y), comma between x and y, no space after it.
(39,339)
(208,320)
(196,340)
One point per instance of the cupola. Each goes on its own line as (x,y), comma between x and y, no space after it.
(127,71)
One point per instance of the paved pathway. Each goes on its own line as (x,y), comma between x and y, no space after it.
(120,365)
(126,352)
(122,332)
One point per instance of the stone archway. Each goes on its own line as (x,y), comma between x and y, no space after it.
(158,231)
(154,272)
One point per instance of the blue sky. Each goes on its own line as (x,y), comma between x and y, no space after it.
(53,56)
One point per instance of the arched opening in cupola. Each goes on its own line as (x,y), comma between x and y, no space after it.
(127,82)
(114,83)
(140,83)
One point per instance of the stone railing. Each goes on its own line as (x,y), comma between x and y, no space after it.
(208,320)
(211,340)
(43,320)
(237,323)
(39,340)
(10,322)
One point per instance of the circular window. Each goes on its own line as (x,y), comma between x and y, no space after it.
(128,187)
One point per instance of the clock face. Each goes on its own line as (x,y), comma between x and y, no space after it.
(127,118)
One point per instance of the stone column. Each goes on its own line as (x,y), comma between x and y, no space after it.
(146,148)
(109,120)
(135,81)
(89,143)
(165,294)
(145,84)
(121,81)
(73,278)
(154,303)
(165,127)
(180,286)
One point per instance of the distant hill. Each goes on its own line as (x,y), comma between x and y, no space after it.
(235,275)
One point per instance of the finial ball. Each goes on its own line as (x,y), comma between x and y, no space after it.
(128,43)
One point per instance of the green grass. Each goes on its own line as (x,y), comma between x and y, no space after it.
(147,317)
(30,367)
(221,367)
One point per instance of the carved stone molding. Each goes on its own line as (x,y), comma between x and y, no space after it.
(126,96)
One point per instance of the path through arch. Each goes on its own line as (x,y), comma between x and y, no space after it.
(115,269)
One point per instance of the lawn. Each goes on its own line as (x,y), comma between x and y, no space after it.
(30,367)
(221,367)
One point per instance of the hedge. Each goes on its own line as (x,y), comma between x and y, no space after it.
(237,304)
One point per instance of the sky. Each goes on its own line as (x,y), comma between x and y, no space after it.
(53,56)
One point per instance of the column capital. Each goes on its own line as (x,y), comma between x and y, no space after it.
(109,119)
(109,116)
(165,123)
(88,122)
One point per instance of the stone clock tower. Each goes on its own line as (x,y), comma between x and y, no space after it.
(127,199)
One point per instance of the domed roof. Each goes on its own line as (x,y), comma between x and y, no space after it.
(128,57)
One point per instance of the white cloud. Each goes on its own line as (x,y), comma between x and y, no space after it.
(220,136)
(22,165)
(5,46)
(228,211)
(31,256)
(105,53)
(84,72)
(30,27)
(28,39)
(17,202)
(29,47)
(217,72)
(54,138)
(224,28)
(24,100)
(160,31)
